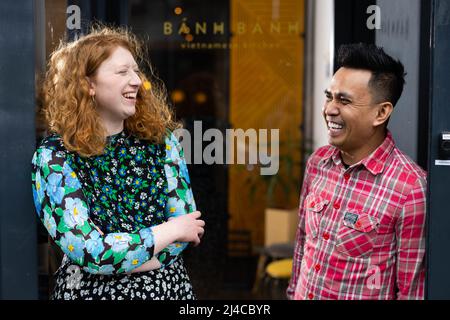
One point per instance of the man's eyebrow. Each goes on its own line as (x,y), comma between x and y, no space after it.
(341,95)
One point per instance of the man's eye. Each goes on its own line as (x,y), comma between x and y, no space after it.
(344,102)
(329,98)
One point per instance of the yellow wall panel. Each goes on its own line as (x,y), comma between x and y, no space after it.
(265,93)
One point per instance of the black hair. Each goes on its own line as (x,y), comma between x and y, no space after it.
(388,75)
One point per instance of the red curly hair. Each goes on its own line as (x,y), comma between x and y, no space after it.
(68,109)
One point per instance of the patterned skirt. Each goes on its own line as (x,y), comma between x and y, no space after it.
(170,283)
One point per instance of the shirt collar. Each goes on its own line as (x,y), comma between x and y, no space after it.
(375,162)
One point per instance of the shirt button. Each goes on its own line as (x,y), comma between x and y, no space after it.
(317,267)
(337,205)
(310,296)
(346,176)
(326,236)
(312,205)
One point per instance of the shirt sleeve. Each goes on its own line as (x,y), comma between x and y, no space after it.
(410,233)
(180,198)
(63,209)
(299,238)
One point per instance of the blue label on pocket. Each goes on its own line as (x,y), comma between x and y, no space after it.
(351,217)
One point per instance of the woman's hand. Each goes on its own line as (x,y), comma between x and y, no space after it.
(190,227)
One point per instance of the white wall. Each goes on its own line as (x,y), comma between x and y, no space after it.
(400,37)
(323,65)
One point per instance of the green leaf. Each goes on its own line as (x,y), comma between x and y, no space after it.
(62,227)
(93,266)
(119,256)
(181,193)
(59,211)
(107,254)
(86,228)
(162,257)
(135,239)
(45,171)
(56,167)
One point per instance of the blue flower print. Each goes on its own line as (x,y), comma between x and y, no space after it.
(71,178)
(122,171)
(122,152)
(94,172)
(147,235)
(138,157)
(137,182)
(134,259)
(37,203)
(184,171)
(106,189)
(105,269)
(172,181)
(177,248)
(172,151)
(118,241)
(94,245)
(72,246)
(190,198)
(41,185)
(50,224)
(76,213)
(175,207)
(54,189)
(45,157)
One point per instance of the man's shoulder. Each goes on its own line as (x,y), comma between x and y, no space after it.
(410,172)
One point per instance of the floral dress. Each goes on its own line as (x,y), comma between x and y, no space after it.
(131,187)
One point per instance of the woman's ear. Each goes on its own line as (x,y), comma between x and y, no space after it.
(383,113)
(91,86)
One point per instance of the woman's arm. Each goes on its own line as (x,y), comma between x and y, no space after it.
(180,200)
(62,207)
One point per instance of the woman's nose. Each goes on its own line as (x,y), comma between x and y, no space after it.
(135,80)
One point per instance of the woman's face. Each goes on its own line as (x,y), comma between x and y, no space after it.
(115,87)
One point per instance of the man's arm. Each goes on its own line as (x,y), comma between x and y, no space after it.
(410,232)
(300,237)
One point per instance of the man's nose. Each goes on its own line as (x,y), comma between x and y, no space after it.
(331,109)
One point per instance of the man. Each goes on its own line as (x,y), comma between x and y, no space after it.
(361,233)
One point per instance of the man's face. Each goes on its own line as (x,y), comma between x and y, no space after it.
(349,111)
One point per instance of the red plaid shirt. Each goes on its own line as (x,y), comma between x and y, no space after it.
(361,231)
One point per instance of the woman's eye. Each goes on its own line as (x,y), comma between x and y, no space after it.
(122,72)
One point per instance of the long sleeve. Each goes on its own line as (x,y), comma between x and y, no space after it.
(63,209)
(410,233)
(299,238)
(180,198)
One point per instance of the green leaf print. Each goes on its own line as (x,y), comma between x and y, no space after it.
(62,227)
(107,255)
(119,256)
(86,228)
(56,167)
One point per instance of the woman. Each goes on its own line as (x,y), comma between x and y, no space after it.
(110,182)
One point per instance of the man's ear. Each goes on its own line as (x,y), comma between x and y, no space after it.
(91,86)
(383,113)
